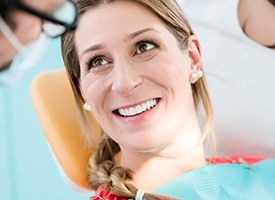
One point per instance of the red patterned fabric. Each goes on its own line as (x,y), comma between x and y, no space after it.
(102,194)
(236,159)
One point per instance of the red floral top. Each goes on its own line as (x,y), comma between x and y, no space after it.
(236,159)
(102,194)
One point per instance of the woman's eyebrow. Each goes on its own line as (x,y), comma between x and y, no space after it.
(91,48)
(128,37)
(139,32)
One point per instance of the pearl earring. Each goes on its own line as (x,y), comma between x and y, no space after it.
(87,107)
(197,75)
(194,76)
(200,74)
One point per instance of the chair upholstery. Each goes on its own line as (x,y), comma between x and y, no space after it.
(55,107)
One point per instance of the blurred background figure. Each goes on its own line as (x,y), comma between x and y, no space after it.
(21,23)
(238,41)
(27,169)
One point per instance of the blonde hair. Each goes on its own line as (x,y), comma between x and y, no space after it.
(103,171)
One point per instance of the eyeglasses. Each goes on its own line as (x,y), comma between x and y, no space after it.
(63,18)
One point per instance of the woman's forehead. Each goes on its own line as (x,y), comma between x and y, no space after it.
(115,20)
(126,12)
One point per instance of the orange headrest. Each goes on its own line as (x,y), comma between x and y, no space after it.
(56,109)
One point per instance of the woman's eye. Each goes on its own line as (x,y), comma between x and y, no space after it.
(99,61)
(145,46)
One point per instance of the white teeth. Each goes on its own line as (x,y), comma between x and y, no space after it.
(122,112)
(148,103)
(143,106)
(137,109)
(132,111)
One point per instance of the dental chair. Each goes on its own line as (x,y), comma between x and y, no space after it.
(54,105)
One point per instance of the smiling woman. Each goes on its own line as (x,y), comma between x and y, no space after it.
(140,74)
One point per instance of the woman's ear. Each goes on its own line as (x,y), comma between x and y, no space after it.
(194,53)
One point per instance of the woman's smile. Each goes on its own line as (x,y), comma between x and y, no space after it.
(130,111)
(137,113)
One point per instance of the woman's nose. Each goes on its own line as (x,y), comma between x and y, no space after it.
(126,77)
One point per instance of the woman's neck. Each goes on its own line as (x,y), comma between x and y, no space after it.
(152,170)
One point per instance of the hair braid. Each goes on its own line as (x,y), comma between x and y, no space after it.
(114,178)
(104,172)
(106,150)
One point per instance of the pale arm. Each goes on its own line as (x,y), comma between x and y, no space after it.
(257,19)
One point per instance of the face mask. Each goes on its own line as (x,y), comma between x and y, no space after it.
(27,57)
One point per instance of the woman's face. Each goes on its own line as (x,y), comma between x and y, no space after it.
(135,76)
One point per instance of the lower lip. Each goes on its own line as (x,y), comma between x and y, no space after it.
(139,118)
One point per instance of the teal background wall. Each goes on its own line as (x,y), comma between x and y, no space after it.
(27,169)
